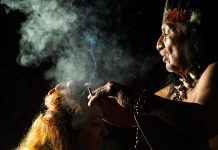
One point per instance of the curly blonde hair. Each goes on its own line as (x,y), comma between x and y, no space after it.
(53,129)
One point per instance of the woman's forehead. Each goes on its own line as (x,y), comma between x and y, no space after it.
(94,110)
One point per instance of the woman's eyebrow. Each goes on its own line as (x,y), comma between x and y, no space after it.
(96,116)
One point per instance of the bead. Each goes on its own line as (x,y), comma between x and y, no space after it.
(187,84)
(140,102)
(139,107)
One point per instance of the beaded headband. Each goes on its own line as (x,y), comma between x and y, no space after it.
(182,15)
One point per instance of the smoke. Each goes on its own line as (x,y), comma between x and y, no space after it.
(75,36)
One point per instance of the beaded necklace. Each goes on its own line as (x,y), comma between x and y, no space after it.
(186,84)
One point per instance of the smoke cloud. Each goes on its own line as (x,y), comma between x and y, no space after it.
(75,36)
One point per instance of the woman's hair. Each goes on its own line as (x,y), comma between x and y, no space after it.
(56,127)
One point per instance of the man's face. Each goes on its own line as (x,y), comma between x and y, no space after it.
(93,130)
(172,47)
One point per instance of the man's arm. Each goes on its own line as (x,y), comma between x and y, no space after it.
(197,118)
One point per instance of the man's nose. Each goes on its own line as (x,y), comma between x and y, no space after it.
(160,44)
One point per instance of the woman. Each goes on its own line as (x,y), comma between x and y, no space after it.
(188,103)
(66,123)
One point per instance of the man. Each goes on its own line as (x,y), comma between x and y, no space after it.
(186,108)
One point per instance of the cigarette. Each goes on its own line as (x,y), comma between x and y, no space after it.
(90,91)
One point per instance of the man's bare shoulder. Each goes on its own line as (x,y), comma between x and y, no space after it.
(208,84)
(210,75)
(212,67)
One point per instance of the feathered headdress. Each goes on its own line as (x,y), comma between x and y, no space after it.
(185,11)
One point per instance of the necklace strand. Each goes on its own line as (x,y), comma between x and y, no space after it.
(186,85)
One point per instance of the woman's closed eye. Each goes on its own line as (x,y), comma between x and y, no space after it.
(97,122)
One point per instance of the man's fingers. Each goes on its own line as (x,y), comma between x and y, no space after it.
(96,95)
(91,100)
(89,96)
(100,93)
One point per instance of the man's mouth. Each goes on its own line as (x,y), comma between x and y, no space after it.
(164,59)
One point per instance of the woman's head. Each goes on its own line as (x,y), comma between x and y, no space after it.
(67,104)
(87,124)
(67,122)
(92,131)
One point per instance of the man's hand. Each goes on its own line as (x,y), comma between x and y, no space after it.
(111,90)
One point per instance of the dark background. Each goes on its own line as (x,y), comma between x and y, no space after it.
(23,88)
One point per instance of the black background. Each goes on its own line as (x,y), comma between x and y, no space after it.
(23,88)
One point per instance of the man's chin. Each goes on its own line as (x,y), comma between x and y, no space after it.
(169,68)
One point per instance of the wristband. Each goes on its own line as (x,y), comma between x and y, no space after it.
(141,101)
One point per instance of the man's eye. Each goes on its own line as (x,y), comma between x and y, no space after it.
(166,33)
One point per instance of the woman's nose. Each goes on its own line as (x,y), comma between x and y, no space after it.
(160,44)
(104,131)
